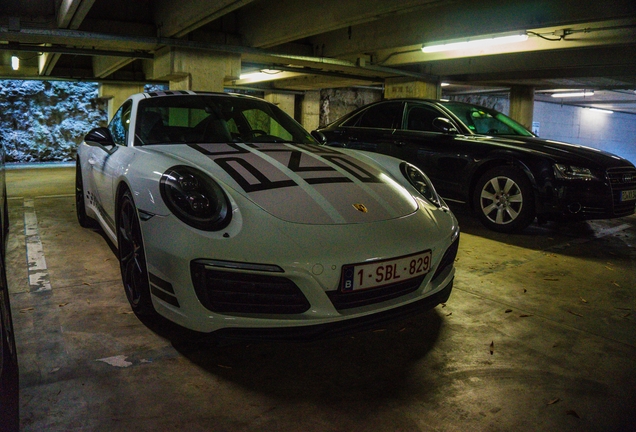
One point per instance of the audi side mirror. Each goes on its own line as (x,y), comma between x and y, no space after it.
(319,136)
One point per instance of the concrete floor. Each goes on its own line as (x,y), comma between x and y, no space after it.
(539,334)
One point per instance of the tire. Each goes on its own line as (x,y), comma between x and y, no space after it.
(504,199)
(80,207)
(132,258)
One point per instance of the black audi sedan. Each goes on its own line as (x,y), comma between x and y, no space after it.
(482,158)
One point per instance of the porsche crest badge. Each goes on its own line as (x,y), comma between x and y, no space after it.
(361,208)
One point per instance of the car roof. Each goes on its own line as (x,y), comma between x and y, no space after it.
(170,93)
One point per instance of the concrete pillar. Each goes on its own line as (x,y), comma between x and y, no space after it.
(522,104)
(117,94)
(284,101)
(410,88)
(310,112)
(194,70)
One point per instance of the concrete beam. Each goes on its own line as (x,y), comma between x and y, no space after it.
(585,36)
(71,13)
(407,88)
(46,63)
(117,94)
(465,18)
(536,66)
(522,104)
(310,110)
(8,72)
(313,82)
(176,19)
(267,24)
(286,102)
(104,66)
(194,70)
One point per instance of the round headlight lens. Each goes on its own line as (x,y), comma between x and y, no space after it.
(420,181)
(195,198)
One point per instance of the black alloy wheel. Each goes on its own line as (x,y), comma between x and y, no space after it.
(504,200)
(132,259)
(80,207)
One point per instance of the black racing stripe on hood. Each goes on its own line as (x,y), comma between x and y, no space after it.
(352,166)
(308,183)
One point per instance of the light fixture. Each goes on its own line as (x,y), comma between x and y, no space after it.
(604,111)
(259,75)
(481,42)
(444,84)
(15,62)
(573,94)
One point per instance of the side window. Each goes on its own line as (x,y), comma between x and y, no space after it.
(483,123)
(381,116)
(119,124)
(264,123)
(420,118)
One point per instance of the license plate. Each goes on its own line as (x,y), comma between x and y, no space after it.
(628,195)
(379,273)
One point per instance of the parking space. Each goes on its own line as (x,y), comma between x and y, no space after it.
(538,334)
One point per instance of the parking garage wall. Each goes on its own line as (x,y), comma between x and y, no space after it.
(614,133)
(44,121)
(334,103)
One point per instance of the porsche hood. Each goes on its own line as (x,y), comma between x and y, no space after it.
(307,184)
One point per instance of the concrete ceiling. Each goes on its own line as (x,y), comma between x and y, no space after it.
(572,44)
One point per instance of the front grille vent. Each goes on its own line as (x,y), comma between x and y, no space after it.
(232,292)
(622,179)
(359,298)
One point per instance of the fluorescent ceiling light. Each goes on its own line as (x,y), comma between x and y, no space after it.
(444,84)
(604,111)
(474,43)
(573,94)
(15,62)
(260,75)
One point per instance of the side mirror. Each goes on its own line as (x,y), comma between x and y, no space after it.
(100,137)
(444,125)
(320,137)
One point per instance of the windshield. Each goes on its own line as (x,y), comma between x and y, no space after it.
(190,119)
(484,121)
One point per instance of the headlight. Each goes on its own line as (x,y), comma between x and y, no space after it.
(420,182)
(570,172)
(195,198)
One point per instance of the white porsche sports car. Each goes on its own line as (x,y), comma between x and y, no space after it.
(228,216)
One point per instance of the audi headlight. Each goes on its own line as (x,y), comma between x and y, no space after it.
(570,172)
(195,198)
(420,181)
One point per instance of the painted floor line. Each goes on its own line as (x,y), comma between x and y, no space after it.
(39,280)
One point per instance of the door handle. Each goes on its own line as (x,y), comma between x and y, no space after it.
(92,160)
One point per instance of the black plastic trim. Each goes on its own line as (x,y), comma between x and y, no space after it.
(340,328)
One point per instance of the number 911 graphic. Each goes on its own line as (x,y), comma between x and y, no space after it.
(229,217)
